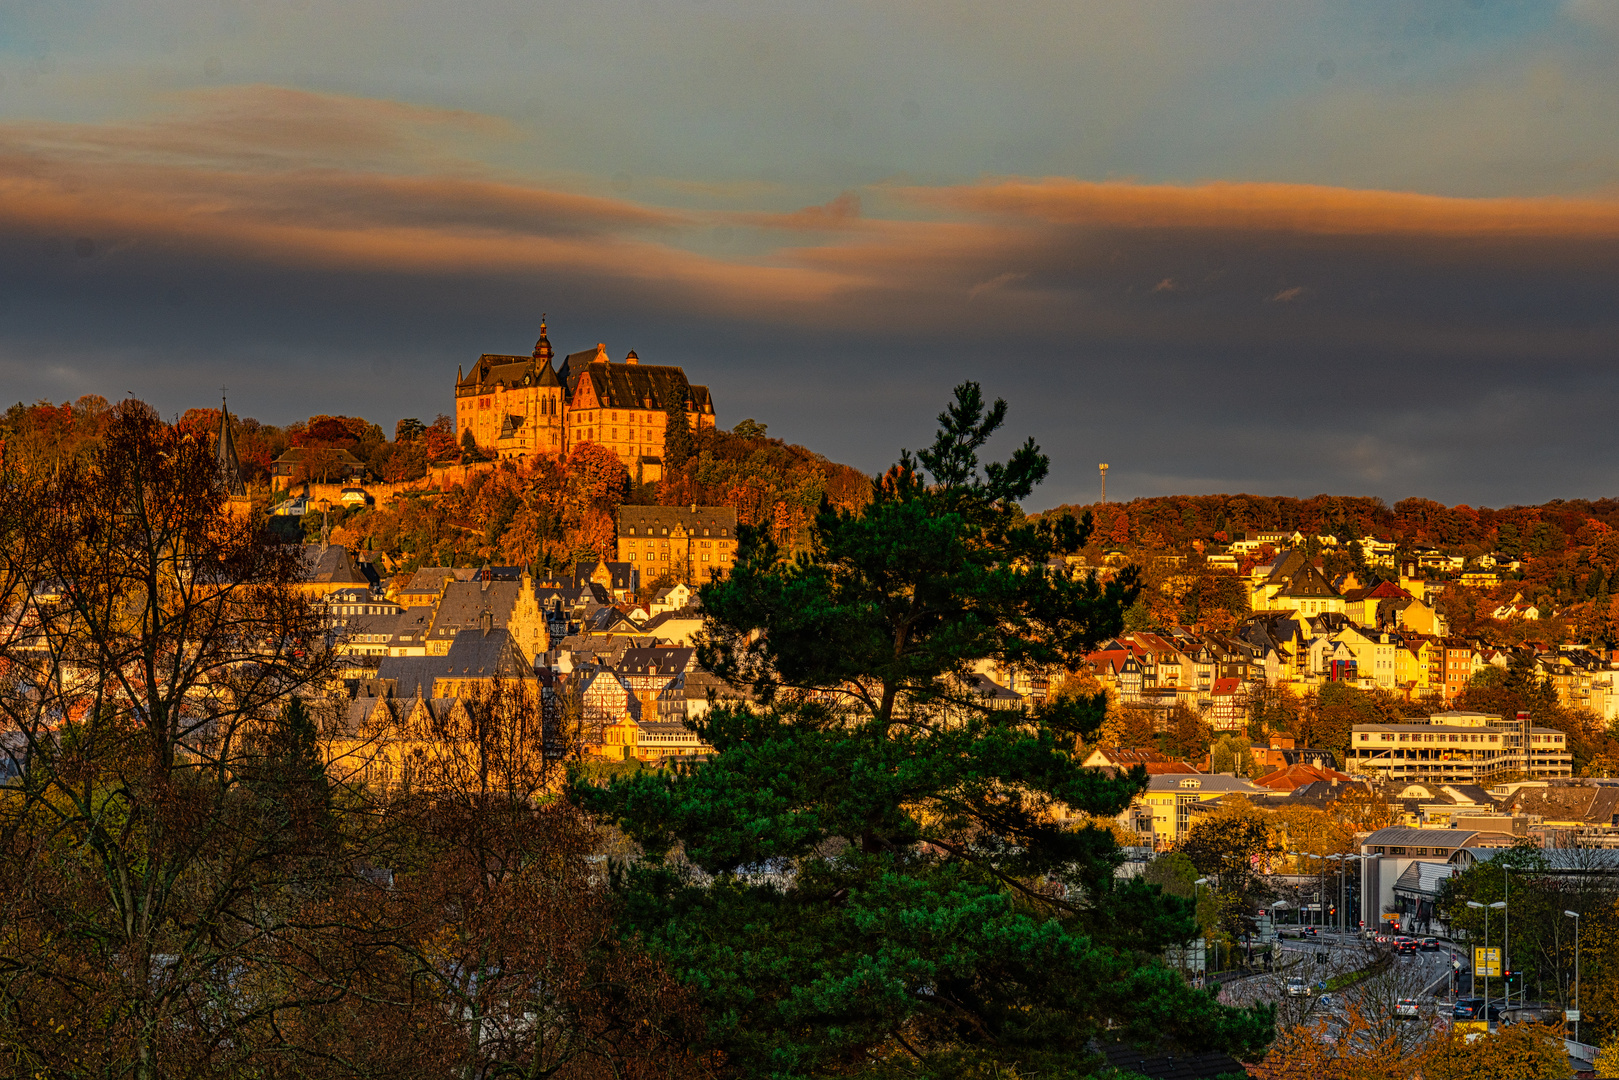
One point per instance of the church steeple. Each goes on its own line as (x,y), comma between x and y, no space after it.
(230,466)
(542,347)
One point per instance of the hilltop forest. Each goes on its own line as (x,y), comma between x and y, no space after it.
(547,515)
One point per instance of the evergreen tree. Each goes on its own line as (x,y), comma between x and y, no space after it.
(875,872)
(677,440)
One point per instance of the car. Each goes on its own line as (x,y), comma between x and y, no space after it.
(1406,1007)
(1297,987)
(1430,944)
(1474,1009)
(1310,931)
(1532,1014)
(1405,948)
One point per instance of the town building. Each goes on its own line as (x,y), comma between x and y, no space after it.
(1402,870)
(691,545)
(520,407)
(1171,798)
(1459,748)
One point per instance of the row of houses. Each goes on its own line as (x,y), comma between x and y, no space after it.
(608,676)
(1306,631)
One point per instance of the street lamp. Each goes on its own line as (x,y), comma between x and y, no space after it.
(1486,908)
(1576,917)
(1207,941)
(1343,905)
(1321,887)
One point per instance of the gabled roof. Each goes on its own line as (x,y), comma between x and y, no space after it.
(495,654)
(331,565)
(1308,583)
(631,386)
(465,604)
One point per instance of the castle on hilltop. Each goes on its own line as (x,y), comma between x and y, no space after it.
(520,408)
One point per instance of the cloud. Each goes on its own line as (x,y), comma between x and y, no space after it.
(333,254)
(1299,208)
(840,214)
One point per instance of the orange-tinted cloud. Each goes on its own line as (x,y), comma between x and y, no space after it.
(1304,208)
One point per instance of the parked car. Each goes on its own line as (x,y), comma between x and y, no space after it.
(1537,1013)
(1430,944)
(1473,1009)
(1406,1007)
(1297,987)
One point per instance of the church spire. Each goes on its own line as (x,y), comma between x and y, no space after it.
(230,466)
(542,347)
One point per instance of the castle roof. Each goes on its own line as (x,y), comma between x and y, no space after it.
(502,369)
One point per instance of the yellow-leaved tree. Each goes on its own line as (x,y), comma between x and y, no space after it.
(1515,1052)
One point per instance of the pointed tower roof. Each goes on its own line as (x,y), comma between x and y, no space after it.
(230,466)
(542,347)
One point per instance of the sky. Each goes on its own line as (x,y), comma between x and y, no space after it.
(1281,248)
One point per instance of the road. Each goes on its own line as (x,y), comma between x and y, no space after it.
(1420,976)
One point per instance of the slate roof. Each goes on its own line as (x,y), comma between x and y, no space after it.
(658,660)
(331,565)
(230,466)
(466,602)
(1228,785)
(473,654)
(624,575)
(653,520)
(1307,582)
(411,626)
(633,386)
(1590,804)
(492,655)
(429,579)
(373,626)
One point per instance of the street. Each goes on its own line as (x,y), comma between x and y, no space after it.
(1421,976)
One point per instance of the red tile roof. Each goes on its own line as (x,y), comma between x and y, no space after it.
(1294,776)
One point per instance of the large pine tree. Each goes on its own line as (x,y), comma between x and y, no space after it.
(877,871)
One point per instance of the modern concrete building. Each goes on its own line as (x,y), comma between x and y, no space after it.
(1459,748)
(1402,868)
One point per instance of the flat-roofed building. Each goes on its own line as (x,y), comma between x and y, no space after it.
(1459,748)
(1391,892)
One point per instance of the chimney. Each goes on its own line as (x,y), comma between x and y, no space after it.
(487,621)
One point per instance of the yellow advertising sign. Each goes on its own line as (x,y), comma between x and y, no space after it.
(1487,962)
